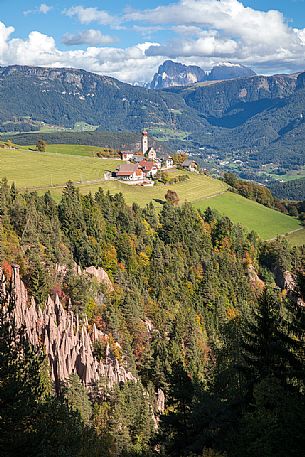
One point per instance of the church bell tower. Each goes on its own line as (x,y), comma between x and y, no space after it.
(144,142)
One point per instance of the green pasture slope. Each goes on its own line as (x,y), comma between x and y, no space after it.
(297,238)
(31,170)
(61,163)
(197,186)
(70,149)
(267,222)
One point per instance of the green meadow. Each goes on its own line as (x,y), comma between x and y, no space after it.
(297,238)
(197,187)
(70,149)
(31,169)
(267,222)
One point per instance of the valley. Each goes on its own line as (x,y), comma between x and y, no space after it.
(217,121)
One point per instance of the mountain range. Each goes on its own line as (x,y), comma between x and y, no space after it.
(259,118)
(171,74)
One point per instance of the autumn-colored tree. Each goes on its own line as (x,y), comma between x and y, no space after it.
(41,146)
(172,197)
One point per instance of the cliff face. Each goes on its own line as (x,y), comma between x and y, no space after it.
(68,343)
(171,74)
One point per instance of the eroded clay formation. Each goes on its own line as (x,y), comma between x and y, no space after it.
(68,344)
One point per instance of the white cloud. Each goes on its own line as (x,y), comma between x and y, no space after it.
(206,45)
(5,33)
(42,9)
(89,15)
(203,32)
(90,37)
(41,50)
(245,33)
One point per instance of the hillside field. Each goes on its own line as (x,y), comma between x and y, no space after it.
(297,238)
(31,169)
(42,171)
(71,149)
(267,222)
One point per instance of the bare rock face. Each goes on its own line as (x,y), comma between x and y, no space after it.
(68,344)
(98,273)
(101,276)
(255,280)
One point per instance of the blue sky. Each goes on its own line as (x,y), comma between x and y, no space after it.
(129,39)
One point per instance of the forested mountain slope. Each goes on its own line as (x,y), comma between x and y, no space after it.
(259,118)
(66,96)
(210,315)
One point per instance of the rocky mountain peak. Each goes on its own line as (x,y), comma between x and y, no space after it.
(172,74)
(229,70)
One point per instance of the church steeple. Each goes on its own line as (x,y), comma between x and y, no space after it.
(144,142)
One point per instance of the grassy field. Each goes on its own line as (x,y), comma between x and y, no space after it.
(297,238)
(291,175)
(70,149)
(266,222)
(197,186)
(33,169)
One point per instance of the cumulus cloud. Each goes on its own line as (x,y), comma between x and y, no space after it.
(89,37)
(203,32)
(41,50)
(206,45)
(244,33)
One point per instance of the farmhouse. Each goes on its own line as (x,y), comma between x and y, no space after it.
(149,168)
(138,158)
(190,165)
(129,172)
(151,154)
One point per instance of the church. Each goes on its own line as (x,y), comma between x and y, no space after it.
(143,165)
(146,152)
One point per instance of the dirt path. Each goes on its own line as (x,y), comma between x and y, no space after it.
(62,186)
(288,233)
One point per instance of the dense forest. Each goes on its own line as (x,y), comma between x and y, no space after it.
(203,311)
(290,190)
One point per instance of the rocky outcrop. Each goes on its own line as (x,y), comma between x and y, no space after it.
(172,74)
(98,273)
(254,279)
(101,276)
(68,343)
(228,70)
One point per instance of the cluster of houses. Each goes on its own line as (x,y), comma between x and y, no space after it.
(141,167)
